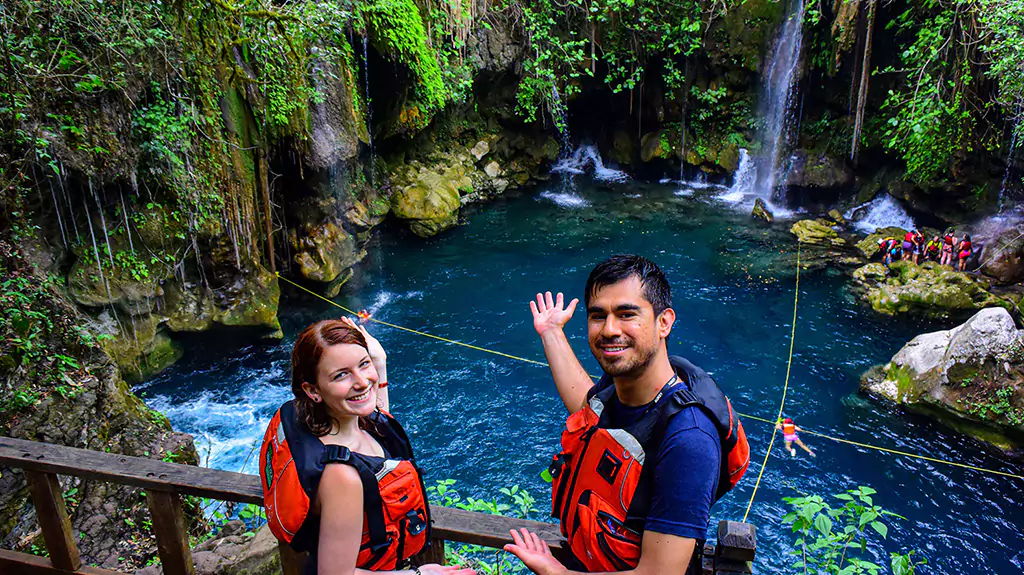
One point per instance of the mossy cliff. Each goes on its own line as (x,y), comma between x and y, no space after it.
(57,385)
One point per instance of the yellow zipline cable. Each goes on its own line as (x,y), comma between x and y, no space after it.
(785,385)
(893,451)
(430,335)
(754,417)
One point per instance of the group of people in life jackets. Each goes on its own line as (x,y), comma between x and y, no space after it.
(645,453)
(943,249)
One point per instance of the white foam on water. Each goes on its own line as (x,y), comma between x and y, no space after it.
(882,212)
(587,157)
(665,181)
(228,429)
(565,199)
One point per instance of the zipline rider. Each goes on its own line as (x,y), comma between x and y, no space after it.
(648,449)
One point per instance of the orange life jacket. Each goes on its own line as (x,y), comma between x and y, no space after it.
(601,494)
(788,428)
(396,517)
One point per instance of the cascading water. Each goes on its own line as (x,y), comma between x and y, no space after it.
(369,108)
(584,158)
(1014,139)
(882,212)
(776,111)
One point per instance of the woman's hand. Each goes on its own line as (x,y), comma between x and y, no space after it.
(534,553)
(375,349)
(435,569)
(551,313)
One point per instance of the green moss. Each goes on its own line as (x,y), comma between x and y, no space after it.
(396,28)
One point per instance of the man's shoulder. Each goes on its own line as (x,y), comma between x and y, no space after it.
(691,424)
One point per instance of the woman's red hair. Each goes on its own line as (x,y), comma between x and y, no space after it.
(309,349)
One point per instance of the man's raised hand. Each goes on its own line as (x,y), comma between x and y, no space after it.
(551,313)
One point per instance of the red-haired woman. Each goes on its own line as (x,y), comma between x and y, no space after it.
(339,478)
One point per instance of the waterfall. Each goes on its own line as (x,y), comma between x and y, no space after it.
(775,109)
(369,109)
(1014,138)
(579,162)
(882,212)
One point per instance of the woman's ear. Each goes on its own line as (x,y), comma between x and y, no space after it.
(311,392)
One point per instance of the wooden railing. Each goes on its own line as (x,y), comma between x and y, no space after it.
(165,483)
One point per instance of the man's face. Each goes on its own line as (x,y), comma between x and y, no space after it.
(623,331)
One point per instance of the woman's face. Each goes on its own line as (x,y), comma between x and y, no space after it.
(346,381)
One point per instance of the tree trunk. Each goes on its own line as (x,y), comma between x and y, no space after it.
(865,76)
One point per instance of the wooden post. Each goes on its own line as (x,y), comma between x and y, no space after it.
(292,562)
(169,529)
(53,520)
(434,554)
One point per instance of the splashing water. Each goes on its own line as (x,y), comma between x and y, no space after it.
(882,212)
(585,157)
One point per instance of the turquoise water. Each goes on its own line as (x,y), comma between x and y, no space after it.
(489,422)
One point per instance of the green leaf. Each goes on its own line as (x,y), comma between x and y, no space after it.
(881,528)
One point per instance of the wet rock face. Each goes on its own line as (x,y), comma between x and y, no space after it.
(971,376)
(927,290)
(1003,258)
(820,171)
(761,212)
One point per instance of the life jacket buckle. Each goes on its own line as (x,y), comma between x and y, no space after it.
(416,523)
(382,546)
(557,464)
(335,454)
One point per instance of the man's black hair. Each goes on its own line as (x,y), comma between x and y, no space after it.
(624,266)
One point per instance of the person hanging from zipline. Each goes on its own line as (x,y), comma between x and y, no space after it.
(789,434)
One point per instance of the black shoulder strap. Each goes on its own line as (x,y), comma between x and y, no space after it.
(372,503)
(391,434)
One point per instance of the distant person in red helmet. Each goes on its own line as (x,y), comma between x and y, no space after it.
(789,434)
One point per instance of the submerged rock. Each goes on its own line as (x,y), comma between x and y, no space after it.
(927,290)
(816,233)
(761,211)
(971,377)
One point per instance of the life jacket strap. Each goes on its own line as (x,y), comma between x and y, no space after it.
(335,454)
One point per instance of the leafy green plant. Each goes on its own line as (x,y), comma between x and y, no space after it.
(834,539)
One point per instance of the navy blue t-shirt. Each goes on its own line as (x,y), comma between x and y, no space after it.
(686,469)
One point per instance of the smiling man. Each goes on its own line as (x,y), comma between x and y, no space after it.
(641,460)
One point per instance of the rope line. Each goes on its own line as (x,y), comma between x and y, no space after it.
(409,330)
(746,415)
(893,451)
(785,385)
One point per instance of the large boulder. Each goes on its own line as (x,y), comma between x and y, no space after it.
(431,203)
(817,233)
(971,376)
(927,290)
(1003,257)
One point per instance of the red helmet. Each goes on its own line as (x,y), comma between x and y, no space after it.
(789,420)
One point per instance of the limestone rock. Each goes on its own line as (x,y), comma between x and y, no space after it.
(1003,258)
(325,251)
(837,217)
(816,232)
(480,149)
(623,147)
(431,203)
(971,376)
(928,290)
(651,147)
(492,169)
(761,211)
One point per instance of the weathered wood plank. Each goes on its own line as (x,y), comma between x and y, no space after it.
(455,525)
(171,536)
(52,515)
(292,562)
(12,563)
(127,470)
(489,530)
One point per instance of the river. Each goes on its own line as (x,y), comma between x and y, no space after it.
(489,421)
